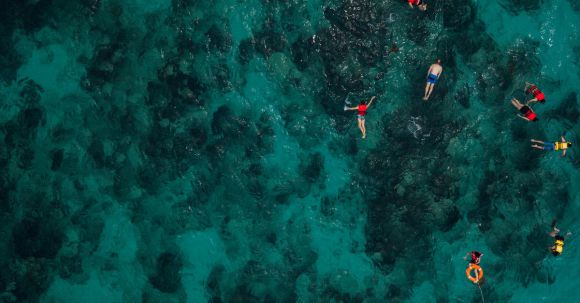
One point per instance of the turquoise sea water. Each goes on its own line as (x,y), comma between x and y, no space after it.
(198,151)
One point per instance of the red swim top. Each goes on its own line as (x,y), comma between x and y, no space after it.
(538,94)
(475,257)
(362,109)
(415,2)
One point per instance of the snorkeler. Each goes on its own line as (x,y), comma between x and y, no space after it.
(563,145)
(558,246)
(362,111)
(534,90)
(527,112)
(433,75)
(419,3)
(475,257)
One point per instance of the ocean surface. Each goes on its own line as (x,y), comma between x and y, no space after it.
(198,151)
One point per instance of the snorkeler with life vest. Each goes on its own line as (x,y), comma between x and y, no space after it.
(562,145)
(558,247)
(536,92)
(526,112)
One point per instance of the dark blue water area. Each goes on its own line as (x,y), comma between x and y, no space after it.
(199,151)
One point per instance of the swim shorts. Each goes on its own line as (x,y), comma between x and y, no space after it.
(432,79)
(524,109)
(548,146)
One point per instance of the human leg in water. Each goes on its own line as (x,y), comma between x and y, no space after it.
(555,229)
(428,88)
(542,147)
(516,103)
(361,126)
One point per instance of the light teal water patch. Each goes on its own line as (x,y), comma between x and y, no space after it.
(202,251)
(95,289)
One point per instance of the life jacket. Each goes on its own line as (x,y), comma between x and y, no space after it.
(538,94)
(558,246)
(560,145)
(362,109)
(531,115)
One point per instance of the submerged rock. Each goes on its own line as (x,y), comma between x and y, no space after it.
(35,237)
(167,278)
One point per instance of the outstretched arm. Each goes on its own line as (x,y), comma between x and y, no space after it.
(523,117)
(563,153)
(371,102)
(563,139)
(351,108)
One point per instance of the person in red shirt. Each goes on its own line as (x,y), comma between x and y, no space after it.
(475,257)
(526,112)
(534,90)
(362,111)
(419,3)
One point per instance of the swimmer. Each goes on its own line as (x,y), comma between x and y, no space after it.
(534,90)
(563,145)
(527,112)
(433,75)
(394,49)
(475,257)
(362,111)
(419,3)
(558,246)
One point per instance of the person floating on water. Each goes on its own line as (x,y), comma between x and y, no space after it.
(563,145)
(394,49)
(534,90)
(362,111)
(558,246)
(474,267)
(526,111)
(419,3)
(433,75)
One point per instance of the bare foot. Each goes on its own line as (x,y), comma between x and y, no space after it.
(424,98)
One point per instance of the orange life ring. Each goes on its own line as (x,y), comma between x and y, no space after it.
(478,273)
